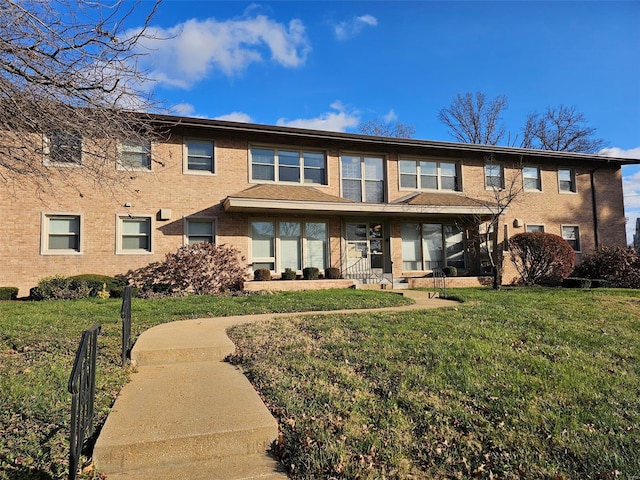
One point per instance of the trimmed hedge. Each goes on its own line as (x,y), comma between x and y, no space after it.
(288,274)
(576,282)
(332,273)
(8,293)
(262,275)
(310,273)
(450,271)
(97,282)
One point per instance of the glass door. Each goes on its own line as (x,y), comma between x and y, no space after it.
(365,241)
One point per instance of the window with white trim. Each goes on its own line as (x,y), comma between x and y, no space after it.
(134,234)
(428,175)
(426,246)
(135,155)
(531,178)
(571,233)
(532,228)
(198,155)
(62,149)
(566,180)
(199,230)
(60,234)
(282,244)
(288,166)
(363,178)
(493,175)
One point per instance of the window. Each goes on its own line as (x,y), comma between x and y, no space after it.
(571,233)
(198,156)
(278,245)
(567,180)
(134,234)
(199,230)
(60,234)
(62,148)
(493,176)
(432,245)
(534,228)
(290,166)
(363,178)
(428,175)
(531,178)
(135,155)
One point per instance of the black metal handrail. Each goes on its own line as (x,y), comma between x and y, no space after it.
(361,270)
(125,314)
(82,387)
(439,281)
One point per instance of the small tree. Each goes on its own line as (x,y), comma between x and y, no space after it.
(201,269)
(541,257)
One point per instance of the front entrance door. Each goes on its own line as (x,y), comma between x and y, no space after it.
(365,246)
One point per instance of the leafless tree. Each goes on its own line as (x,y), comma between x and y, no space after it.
(474,119)
(69,79)
(561,129)
(504,182)
(380,128)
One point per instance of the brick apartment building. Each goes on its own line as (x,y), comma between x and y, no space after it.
(294,198)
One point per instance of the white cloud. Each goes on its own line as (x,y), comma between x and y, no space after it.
(188,52)
(390,117)
(236,117)
(338,121)
(184,109)
(621,153)
(351,28)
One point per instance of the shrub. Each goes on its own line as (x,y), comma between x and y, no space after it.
(310,273)
(262,275)
(450,271)
(97,282)
(8,293)
(200,269)
(288,274)
(541,258)
(332,273)
(618,266)
(60,288)
(576,282)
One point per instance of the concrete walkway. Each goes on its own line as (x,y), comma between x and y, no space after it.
(187,414)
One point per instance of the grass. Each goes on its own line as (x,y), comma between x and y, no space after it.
(38,341)
(521,383)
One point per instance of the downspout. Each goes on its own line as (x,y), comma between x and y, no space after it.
(596,236)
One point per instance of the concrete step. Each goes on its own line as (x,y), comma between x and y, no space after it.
(182,342)
(252,467)
(196,420)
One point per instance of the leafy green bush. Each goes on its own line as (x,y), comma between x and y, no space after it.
(618,266)
(96,283)
(541,258)
(310,273)
(288,274)
(450,271)
(332,273)
(60,288)
(200,269)
(262,275)
(8,293)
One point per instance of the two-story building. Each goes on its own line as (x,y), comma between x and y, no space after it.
(294,198)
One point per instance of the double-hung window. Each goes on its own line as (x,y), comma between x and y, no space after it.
(566,180)
(134,234)
(493,176)
(135,155)
(363,178)
(531,178)
(199,156)
(60,234)
(288,166)
(426,175)
(571,233)
(199,230)
(63,149)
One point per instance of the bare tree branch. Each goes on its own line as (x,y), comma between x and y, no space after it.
(473,119)
(380,128)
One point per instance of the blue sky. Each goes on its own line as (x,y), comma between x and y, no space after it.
(331,65)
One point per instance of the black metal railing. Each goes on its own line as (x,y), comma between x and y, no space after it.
(82,387)
(439,281)
(361,270)
(125,314)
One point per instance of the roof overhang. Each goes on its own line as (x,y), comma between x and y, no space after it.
(261,205)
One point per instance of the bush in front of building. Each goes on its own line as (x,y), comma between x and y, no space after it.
(200,269)
(332,273)
(8,293)
(310,273)
(59,287)
(262,275)
(288,274)
(541,258)
(619,267)
(98,283)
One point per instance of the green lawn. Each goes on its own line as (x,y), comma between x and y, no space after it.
(520,383)
(38,341)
